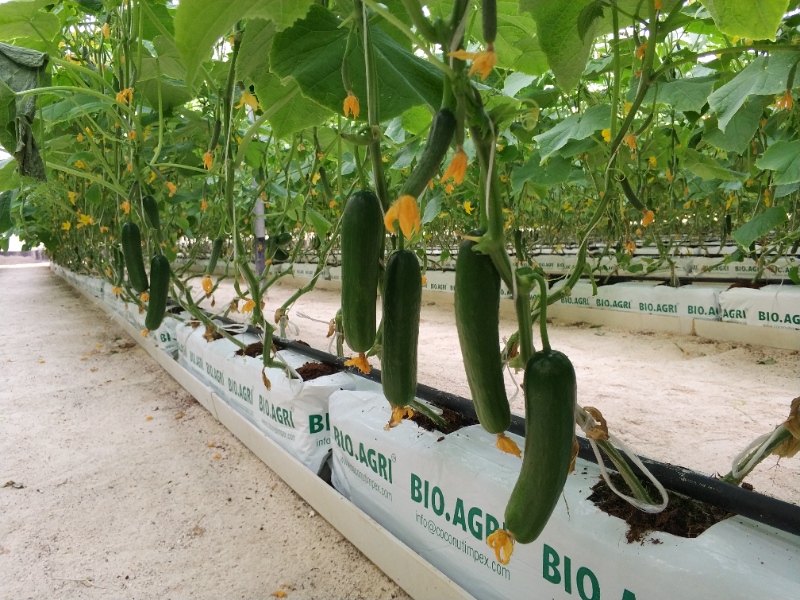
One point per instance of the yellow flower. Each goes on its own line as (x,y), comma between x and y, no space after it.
(85,220)
(79,137)
(144,297)
(482,62)
(606,133)
(640,51)
(398,414)
(649,217)
(103,229)
(384,159)
(652,161)
(125,95)
(208,285)
(457,168)
(116,290)
(80,164)
(249,99)
(424,280)
(130,167)
(106,30)
(630,247)
(333,204)
(657,4)
(172,188)
(786,101)
(448,189)
(248,306)
(66,226)
(406,211)
(507,445)
(668,175)
(208,159)
(351,105)
(152,177)
(502,543)
(626,108)
(73,196)
(132,134)
(468,208)
(125,207)
(360,362)
(687,205)
(204,205)
(630,141)
(504,178)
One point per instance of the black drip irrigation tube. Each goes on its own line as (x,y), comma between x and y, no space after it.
(758,507)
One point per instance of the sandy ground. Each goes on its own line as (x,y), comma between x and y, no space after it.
(118,505)
(684,400)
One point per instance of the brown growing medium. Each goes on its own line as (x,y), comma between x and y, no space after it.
(683,517)
(312,370)
(254,350)
(454,420)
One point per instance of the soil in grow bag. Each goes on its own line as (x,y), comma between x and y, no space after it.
(683,517)
(253,350)
(454,420)
(312,370)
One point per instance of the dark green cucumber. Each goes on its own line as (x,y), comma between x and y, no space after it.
(159,291)
(282,239)
(216,251)
(119,266)
(362,234)
(550,396)
(402,298)
(441,133)
(132,250)
(151,211)
(489,14)
(477,307)
(631,195)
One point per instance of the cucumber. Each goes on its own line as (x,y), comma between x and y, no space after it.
(477,308)
(362,234)
(159,291)
(441,133)
(402,299)
(216,251)
(550,397)
(282,239)
(151,212)
(132,250)
(119,265)
(489,14)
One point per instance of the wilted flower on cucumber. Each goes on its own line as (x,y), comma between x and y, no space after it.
(351,106)
(406,211)
(457,168)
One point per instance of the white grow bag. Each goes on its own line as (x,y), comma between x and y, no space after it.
(443,498)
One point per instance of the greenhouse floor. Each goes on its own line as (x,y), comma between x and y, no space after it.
(121,485)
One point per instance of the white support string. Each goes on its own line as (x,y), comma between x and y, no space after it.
(585,421)
(762,443)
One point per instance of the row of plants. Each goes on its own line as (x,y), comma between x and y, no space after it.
(279,130)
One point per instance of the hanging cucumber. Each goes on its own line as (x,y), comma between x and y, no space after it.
(119,266)
(477,307)
(550,397)
(362,234)
(159,291)
(441,133)
(151,212)
(216,251)
(132,250)
(402,298)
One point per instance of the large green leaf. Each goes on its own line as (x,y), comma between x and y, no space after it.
(688,94)
(253,61)
(200,23)
(557,32)
(740,129)
(516,44)
(557,170)
(22,19)
(783,158)
(759,226)
(762,77)
(312,51)
(300,112)
(574,127)
(757,19)
(706,167)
